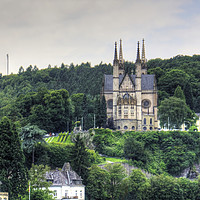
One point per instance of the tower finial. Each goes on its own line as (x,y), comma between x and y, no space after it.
(120,53)
(143,52)
(138,53)
(115,56)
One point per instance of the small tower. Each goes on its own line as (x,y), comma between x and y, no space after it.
(121,60)
(115,81)
(115,63)
(144,60)
(138,88)
(138,62)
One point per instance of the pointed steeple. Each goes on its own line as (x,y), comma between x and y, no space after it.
(138,53)
(143,52)
(120,53)
(115,61)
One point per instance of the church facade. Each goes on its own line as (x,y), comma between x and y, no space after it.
(131,98)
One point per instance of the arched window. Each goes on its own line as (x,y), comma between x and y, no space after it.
(118,127)
(145,121)
(133,127)
(151,128)
(110,103)
(151,121)
(125,127)
(144,128)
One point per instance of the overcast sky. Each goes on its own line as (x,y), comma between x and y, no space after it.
(43,32)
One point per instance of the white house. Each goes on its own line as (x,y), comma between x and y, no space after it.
(66,184)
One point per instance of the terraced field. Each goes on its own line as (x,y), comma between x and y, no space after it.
(62,138)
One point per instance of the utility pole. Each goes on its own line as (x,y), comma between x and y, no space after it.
(168,123)
(82,123)
(94,121)
(29,190)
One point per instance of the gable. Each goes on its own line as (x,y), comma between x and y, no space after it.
(126,83)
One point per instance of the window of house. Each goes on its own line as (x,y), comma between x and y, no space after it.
(151,128)
(120,110)
(118,127)
(55,193)
(150,120)
(125,127)
(110,103)
(81,193)
(66,193)
(144,128)
(132,110)
(76,193)
(145,121)
(133,127)
(125,110)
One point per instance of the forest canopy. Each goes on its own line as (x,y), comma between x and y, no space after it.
(24,96)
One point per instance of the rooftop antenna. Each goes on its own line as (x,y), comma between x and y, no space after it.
(7,64)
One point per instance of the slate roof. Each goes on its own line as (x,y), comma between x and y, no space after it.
(147,81)
(66,176)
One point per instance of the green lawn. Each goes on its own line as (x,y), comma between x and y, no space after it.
(113,160)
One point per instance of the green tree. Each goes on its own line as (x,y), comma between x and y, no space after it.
(139,185)
(116,175)
(173,112)
(165,187)
(134,150)
(172,79)
(40,194)
(31,135)
(97,183)
(178,93)
(189,95)
(77,100)
(190,188)
(58,108)
(37,176)
(13,174)
(80,158)
(100,111)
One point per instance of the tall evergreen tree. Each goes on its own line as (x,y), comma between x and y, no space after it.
(85,112)
(103,111)
(178,93)
(80,158)
(100,111)
(13,174)
(188,95)
(97,109)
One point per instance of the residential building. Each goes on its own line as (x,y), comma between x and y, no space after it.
(66,184)
(3,196)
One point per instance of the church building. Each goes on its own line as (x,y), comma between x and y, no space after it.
(131,98)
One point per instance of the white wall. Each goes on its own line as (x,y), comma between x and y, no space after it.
(72,191)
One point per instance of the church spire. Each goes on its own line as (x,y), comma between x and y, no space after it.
(143,52)
(138,53)
(120,53)
(115,56)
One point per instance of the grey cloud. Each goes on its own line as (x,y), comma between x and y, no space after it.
(51,32)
